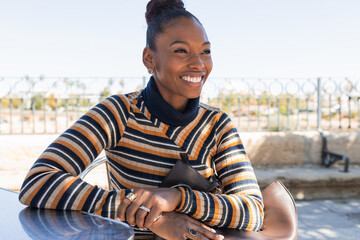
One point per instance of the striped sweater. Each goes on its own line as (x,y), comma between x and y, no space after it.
(142,144)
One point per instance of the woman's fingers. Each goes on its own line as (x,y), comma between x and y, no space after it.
(125,203)
(141,214)
(153,216)
(203,232)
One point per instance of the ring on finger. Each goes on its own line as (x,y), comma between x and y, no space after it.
(131,196)
(142,207)
(157,217)
(192,233)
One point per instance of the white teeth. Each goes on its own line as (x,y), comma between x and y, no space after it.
(192,79)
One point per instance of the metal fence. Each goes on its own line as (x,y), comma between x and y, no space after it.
(50,105)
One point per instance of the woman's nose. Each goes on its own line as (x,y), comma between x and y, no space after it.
(196,62)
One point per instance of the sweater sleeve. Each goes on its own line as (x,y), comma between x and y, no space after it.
(240,205)
(52,181)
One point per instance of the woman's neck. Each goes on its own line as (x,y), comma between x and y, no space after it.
(175,112)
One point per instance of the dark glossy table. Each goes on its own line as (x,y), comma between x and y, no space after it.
(20,222)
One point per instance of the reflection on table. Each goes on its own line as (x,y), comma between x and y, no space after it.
(50,224)
(20,222)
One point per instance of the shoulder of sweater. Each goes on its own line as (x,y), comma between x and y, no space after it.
(209,108)
(127,98)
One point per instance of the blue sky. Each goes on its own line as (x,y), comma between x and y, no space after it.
(250,38)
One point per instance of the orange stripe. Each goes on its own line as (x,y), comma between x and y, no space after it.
(115,114)
(125,184)
(216,212)
(40,171)
(183,196)
(55,160)
(237,179)
(149,150)
(145,131)
(188,131)
(36,190)
(234,217)
(228,163)
(251,217)
(102,202)
(144,169)
(198,204)
(84,198)
(229,145)
(222,133)
(86,134)
(200,141)
(61,192)
(98,120)
(74,150)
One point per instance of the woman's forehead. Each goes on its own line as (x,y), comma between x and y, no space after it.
(184,29)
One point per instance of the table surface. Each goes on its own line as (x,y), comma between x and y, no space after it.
(20,222)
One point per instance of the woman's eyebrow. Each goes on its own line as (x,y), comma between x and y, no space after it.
(186,43)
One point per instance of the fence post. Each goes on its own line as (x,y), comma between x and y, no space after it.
(319,104)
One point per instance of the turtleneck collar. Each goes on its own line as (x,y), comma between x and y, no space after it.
(162,110)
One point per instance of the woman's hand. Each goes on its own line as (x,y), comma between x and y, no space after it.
(175,226)
(152,203)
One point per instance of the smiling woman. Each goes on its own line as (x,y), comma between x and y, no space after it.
(146,135)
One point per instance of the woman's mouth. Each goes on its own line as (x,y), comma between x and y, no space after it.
(192,79)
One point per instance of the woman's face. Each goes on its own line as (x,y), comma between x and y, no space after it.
(182,61)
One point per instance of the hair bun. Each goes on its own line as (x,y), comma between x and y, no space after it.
(155,7)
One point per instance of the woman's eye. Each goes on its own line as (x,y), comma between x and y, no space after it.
(207,51)
(181,50)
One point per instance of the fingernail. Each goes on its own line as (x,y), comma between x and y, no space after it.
(213,230)
(143,229)
(221,236)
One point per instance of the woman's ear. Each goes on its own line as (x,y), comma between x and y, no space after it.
(148,59)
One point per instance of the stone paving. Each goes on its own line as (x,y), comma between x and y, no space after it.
(329,219)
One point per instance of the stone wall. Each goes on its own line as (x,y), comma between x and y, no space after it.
(298,148)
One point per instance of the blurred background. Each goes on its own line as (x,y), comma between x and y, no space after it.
(287,73)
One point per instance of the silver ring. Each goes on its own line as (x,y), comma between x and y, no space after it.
(157,218)
(142,207)
(130,196)
(193,233)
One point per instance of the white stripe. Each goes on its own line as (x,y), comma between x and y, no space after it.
(242,211)
(176,129)
(110,121)
(74,136)
(35,178)
(236,169)
(72,193)
(234,133)
(109,205)
(93,202)
(142,106)
(223,123)
(149,141)
(232,190)
(199,129)
(124,173)
(122,112)
(46,164)
(207,211)
(231,152)
(146,160)
(76,164)
(94,129)
(49,188)
(225,214)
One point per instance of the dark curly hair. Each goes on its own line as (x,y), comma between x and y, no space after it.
(161,14)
